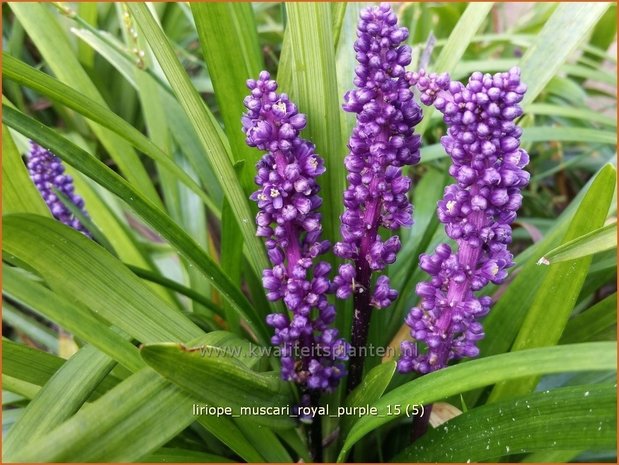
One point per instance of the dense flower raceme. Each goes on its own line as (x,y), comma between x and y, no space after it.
(312,353)
(48,174)
(382,143)
(488,163)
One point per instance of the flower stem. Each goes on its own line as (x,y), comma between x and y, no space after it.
(360,325)
(315,436)
(420,423)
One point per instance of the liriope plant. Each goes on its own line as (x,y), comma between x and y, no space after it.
(241,232)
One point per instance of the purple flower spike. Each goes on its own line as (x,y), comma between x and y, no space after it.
(382,142)
(477,211)
(47,173)
(288,200)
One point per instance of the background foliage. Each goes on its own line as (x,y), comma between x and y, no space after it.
(143,103)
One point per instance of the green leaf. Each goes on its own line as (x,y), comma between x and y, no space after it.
(179,125)
(95,278)
(66,95)
(174,455)
(59,398)
(227,32)
(27,364)
(176,287)
(77,319)
(372,387)
(18,191)
(547,315)
(581,418)
(586,326)
(204,125)
(599,240)
(570,112)
(557,40)
(558,134)
(482,372)
(231,258)
(26,324)
(150,213)
(509,312)
(314,90)
(461,36)
(213,375)
(123,425)
(59,56)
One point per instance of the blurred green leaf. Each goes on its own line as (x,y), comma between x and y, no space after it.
(581,418)
(180,127)
(482,372)
(599,240)
(559,37)
(461,36)
(586,326)
(570,112)
(559,134)
(57,91)
(56,50)
(205,128)
(23,323)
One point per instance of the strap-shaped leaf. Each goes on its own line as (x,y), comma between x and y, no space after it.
(371,389)
(573,418)
(52,43)
(559,37)
(95,278)
(59,398)
(22,73)
(18,191)
(78,320)
(126,423)
(593,322)
(231,50)
(314,89)
(162,223)
(599,240)
(204,125)
(463,377)
(555,299)
(215,376)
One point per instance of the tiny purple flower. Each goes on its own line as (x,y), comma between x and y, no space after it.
(382,142)
(312,355)
(483,143)
(47,173)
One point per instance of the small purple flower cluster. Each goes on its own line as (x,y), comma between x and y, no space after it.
(47,172)
(382,142)
(290,223)
(483,142)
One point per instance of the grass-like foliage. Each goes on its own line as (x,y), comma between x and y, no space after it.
(138,328)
